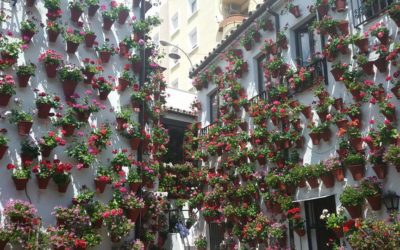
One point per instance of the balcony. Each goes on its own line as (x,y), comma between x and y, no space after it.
(365,11)
(230,22)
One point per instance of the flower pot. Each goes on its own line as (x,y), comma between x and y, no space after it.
(75,14)
(356,143)
(344,28)
(134,186)
(20,184)
(313,182)
(30,3)
(88,77)
(69,87)
(300,231)
(368,68)
(4,100)
(3,244)
(100,185)
(27,35)
(42,182)
(89,40)
(375,202)
(354,211)
(306,111)
(62,187)
(247,46)
(322,115)
(97,224)
(122,16)
(363,45)
(103,95)
(136,67)
(123,49)
(24,127)
(26,157)
(105,56)
(342,152)
(339,174)
(72,47)
(92,10)
(43,110)
(10,60)
(295,11)
(134,143)
(315,138)
(357,171)
(120,123)
(328,180)
(23,80)
(132,213)
(52,35)
(107,23)
(338,231)
(302,184)
(342,124)
(45,151)
(3,150)
(381,64)
(51,70)
(297,125)
(380,170)
(396,91)
(323,10)
(384,39)
(68,129)
(391,117)
(340,5)
(337,74)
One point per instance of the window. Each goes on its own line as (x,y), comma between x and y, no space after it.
(260,74)
(192,6)
(366,10)
(214,106)
(175,22)
(304,44)
(193,39)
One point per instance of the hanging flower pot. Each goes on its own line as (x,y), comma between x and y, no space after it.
(384,38)
(89,40)
(20,184)
(132,213)
(26,157)
(30,3)
(105,56)
(42,182)
(375,202)
(62,187)
(134,143)
(380,170)
(344,27)
(122,84)
(363,45)
(122,16)
(339,174)
(342,124)
(24,127)
(396,91)
(315,138)
(68,129)
(7,57)
(72,47)
(100,185)
(51,70)
(123,49)
(103,95)
(337,74)
(356,143)
(256,37)
(3,150)
(22,81)
(306,111)
(323,10)
(46,151)
(302,184)
(69,87)
(134,186)
(76,14)
(4,100)
(107,23)
(381,64)
(92,10)
(52,35)
(326,134)
(247,46)
(43,110)
(322,115)
(27,35)
(391,116)
(295,11)
(98,223)
(338,231)
(340,5)
(328,180)
(357,171)
(368,68)
(313,182)
(354,211)
(300,231)
(3,244)
(120,123)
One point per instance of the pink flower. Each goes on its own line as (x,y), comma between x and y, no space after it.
(388,78)
(372,121)
(122,189)
(103,7)
(386,122)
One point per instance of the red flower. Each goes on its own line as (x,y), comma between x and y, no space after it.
(10,166)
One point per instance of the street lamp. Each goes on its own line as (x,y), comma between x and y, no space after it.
(391,201)
(174,55)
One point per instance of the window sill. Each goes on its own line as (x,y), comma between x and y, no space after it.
(174,33)
(191,52)
(175,66)
(192,15)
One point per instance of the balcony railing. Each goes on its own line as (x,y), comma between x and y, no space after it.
(363,11)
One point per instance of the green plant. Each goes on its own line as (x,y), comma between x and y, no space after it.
(102,84)
(11,48)
(392,155)
(121,159)
(76,4)
(80,152)
(3,140)
(44,169)
(371,186)
(52,4)
(29,148)
(19,172)
(354,159)
(351,196)
(134,177)
(117,224)
(92,2)
(333,220)
(201,242)
(70,72)
(7,85)
(20,116)
(28,25)
(125,113)
(52,100)
(26,70)
(73,36)
(132,130)
(144,26)
(51,57)
(54,26)
(106,47)
(62,172)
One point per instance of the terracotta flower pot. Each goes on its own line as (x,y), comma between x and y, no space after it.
(302,184)
(100,185)
(134,186)
(24,127)
(375,202)
(3,150)
(103,95)
(368,68)
(75,14)
(132,214)
(295,11)
(107,23)
(122,16)
(23,80)
(43,110)
(69,129)
(396,91)
(134,143)
(123,49)
(51,70)
(4,100)
(98,223)
(380,170)
(306,111)
(120,123)
(313,182)
(357,171)
(381,64)
(354,211)
(338,231)
(30,3)
(339,174)
(20,184)
(72,47)
(300,231)
(136,67)
(363,45)
(27,35)
(384,39)
(52,35)
(89,40)
(328,180)
(88,77)
(356,143)
(46,151)
(340,5)
(82,116)
(337,74)
(105,56)
(315,138)
(3,244)
(92,10)
(62,187)
(247,47)
(26,157)
(69,87)
(323,10)
(42,182)
(342,124)
(344,27)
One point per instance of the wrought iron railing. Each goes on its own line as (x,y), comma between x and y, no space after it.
(365,10)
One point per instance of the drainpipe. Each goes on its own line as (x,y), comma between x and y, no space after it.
(276,15)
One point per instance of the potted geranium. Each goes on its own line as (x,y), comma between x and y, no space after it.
(3,145)
(99,138)
(134,180)
(24,73)
(103,85)
(70,75)
(352,199)
(60,237)
(73,39)
(355,163)
(334,166)
(90,69)
(201,243)
(361,41)
(20,175)
(137,98)
(126,79)
(109,17)
(133,132)
(53,29)
(43,172)
(5,235)
(67,122)
(122,12)
(93,6)
(9,50)
(28,29)
(48,142)
(7,89)
(51,60)
(102,178)
(89,37)
(105,51)
(62,175)
(392,156)
(82,110)
(117,224)
(23,120)
(334,221)
(122,117)
(53,9)
(120,160)
(365,64)
(80,152)
(76,7)
(44,102)
(29,151)
(294,217)
(371,188)
(95,210)
(132,205)
(381,32)
(388,109)
(327,25)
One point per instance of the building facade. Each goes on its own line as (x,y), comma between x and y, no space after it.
(300,92)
